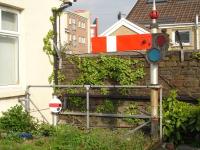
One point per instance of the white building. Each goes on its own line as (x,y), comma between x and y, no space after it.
(23,25)
(75,31)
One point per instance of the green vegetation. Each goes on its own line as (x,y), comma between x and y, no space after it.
(181,124)
(133,109)
(71,138)
(196,55)
(17,120)
(96,71)
(106,107)
(63,137)
(181,121)
(103,70)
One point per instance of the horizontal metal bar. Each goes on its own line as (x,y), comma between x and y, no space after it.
(126,86)
(58,86)
(135,54)
(106,115)
(97,86)
(114,97)
(110,126)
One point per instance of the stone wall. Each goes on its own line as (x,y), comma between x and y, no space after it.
(173,73)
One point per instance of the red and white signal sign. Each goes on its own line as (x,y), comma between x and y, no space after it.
(121,43)
(55,105)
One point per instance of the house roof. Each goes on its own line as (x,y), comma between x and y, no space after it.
(124,22)
(171,11)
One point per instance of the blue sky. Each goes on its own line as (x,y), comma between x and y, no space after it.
(105,10)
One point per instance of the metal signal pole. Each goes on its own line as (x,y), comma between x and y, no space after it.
(64,5)
(154,78)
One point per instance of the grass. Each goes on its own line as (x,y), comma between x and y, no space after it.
(66,137)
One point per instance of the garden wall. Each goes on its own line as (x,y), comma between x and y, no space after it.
(173,73)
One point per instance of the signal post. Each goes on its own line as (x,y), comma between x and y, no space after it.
(154,55)
(156,45)
(154,78)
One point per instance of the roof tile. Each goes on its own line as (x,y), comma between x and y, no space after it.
(171,11)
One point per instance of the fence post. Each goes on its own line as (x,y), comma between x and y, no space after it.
(54,119)
(87,105)
(161,115)
(27,100)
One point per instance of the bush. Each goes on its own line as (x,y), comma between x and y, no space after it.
(106,107)
(133,109)
(46,129)
(17,120)
(180,119)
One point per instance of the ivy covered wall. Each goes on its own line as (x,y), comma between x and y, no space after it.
(183,76)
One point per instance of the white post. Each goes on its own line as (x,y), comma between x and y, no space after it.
(54,119)
(197,32)
(154,81)
(87,106)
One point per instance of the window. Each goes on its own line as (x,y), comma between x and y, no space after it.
(70,21)
(79,24)
(81,40)
(74,27)
(9,47)
(70,37)
(82,25)
(185,37)
(73,21)
(74,43)
(74,37)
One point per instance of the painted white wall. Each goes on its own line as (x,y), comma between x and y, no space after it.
(33,62)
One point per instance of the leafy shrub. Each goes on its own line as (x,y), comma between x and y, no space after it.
(103,70)
(180,119)
(17,120)
(46,129)
(132,109)
(106,107)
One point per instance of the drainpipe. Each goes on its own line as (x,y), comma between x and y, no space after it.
(197,32)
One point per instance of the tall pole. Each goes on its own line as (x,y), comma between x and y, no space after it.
(154,79)
(66,4)
(55,55)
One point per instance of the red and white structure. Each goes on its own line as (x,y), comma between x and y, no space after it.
(55,105)
(121,43)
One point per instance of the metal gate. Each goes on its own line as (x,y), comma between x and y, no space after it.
(88,114)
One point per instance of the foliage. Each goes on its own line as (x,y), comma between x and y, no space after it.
(196,55)
(180,119)
(132,109)
(106,107)
(61,77)
(98,70)
(104,69)
(71,138)
(48,47)
(17,120)
(46,129)
(77,103)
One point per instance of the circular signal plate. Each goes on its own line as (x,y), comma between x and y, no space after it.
(154,55)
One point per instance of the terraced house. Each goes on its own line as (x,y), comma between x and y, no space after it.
(181,15)
(23,25)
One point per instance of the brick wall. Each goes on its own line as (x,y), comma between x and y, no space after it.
(173,74)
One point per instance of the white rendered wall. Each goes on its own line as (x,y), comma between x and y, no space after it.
(34,65)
